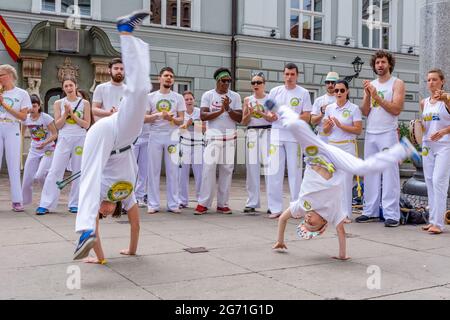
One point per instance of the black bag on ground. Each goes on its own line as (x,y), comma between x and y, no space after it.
(414,217)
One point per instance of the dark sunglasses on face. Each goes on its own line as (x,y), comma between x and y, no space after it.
(339,90)
(225,80)
(256,83)
(330,82)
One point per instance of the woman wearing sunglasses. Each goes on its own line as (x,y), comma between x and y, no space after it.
(342,124)
(258,126)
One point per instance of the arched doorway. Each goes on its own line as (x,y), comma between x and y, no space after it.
(51,96)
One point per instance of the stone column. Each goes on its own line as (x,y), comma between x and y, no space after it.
(434,39)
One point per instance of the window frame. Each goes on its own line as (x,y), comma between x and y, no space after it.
(60,13)
(393,8)
(178,81)
(301,12)
(163,23)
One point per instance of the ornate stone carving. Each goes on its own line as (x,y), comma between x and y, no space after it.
(101,72)
(67,70)
(33,86)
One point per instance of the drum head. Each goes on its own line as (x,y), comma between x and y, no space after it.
(418,131)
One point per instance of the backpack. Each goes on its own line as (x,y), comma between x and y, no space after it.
(414,217)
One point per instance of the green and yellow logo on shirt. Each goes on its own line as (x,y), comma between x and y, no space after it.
(272,149)
(312,151)
(425,151)
(120,191)
(295,102)
(172,149)
(307,205)
(260,108)
(164,105)
(346,114)
(79,151)
(48,153)
(375,104)
(72,121)
(251,145)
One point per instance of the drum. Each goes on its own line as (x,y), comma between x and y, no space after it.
(416,132)
(447,217)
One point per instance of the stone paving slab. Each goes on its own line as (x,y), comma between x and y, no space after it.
(36,255)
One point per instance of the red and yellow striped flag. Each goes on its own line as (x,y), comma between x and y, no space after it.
(10,41)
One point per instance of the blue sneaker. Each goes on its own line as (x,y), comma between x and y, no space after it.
(85,244)
(129,22)
(41,211)
(411,150)
(73,209)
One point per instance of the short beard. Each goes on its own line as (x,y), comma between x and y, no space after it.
(117,78)
(166,86)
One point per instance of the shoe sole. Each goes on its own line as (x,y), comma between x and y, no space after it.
(368,221)
(84,251)
(392,225)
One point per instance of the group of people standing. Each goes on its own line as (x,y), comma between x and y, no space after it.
(183,135)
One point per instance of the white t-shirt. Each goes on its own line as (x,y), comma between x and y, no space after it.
(346,115)
(322,101)
(17,99)
(195,116)
(379,120)
(71,128)
(109,95)
(320,195)
(159,102)
(298,99)
(223,125)
(257,104)
(118,180)
(435,117)
(39,130)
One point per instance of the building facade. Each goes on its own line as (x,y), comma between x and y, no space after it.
(195,37)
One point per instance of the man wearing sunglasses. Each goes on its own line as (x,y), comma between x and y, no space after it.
(222,108)
(321,103)
(284,148)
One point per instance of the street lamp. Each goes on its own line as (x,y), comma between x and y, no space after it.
(357,67)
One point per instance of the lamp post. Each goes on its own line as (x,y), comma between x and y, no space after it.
(357,67)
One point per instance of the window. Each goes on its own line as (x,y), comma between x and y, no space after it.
(179,86)
(376,27)
(173,13)
(306,19)
(69,7)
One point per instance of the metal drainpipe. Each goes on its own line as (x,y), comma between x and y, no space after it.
(234,19)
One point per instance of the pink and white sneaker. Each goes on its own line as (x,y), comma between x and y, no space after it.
(17,207)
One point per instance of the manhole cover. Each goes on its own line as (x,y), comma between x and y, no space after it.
(196,250)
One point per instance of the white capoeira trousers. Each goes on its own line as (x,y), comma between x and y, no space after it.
(191,156)
(436,168)
(347,190)
(36,168)
(282,152)
(10,142)
(340,159)
(258,141)
(218,154)
(163,144)
(385,185)
(140,149)
(115,132)
(67,149)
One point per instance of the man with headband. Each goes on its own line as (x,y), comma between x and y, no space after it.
(319,201)
(222,108)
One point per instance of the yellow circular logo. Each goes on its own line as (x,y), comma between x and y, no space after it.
(48,153)
(307,205)
(163,105)
(172,149)
(346,114)
(295,102)
(72,121)
(251,145)
(260,108)
(312,151)
(79,151)
(272,149)
(376,104)
(120,191)
(425,151)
